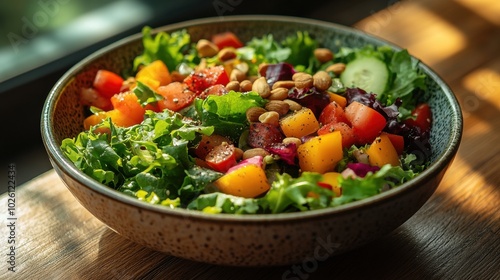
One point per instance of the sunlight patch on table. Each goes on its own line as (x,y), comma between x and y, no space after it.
(487,9)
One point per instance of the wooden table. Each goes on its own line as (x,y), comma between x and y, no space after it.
(456,235)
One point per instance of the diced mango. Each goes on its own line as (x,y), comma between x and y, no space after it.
(332,179)
(321,153)
(382,152)
(247,181)
(300,123)
(342,101)
(155,71)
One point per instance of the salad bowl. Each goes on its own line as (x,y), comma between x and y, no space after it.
(245,240)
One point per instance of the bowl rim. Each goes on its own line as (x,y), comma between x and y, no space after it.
(57,158)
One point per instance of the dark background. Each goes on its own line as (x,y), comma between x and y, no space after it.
(30,66)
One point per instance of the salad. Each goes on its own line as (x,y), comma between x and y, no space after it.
(265,126)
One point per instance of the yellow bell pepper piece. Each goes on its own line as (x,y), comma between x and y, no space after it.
(382,152)
(247,181)
(300,123)
(321,153)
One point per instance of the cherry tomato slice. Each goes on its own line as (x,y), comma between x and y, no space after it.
(423,117)
(221,157)
(200,80)
(226,39)
(107,83)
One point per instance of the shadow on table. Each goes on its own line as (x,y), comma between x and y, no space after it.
(372,260)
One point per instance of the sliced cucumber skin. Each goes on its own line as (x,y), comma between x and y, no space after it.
(368,73)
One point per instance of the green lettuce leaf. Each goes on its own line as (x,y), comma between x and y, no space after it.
(170,48)
(226,113)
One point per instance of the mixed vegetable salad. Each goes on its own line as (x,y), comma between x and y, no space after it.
(266,126)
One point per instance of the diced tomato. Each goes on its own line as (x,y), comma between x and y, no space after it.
(221,157)
(226,39)
(207,143)
(214,90)
(90,97)
(200,80)
(261,135)
(153,107)
(348,138)
(107,83)
(366,122)
(176,96)
(333,112)
(423,117)
(128,104)
(397,141)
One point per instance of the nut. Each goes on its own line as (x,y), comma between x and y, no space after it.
(242,66)
(206,48)
(250,153)
(322,80)
(237,75)
(263,69)
(271,117)
(278,94)
(238,153)
(177,77)
(294,106)
(226,54)
(254,113)
(278,106)
(336,68)
(284,84)
(323,55)
(245,85)
(294,140)
(302,80)
(202,65)
(233,85)
(261,87)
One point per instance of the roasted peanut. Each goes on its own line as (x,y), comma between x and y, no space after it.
(294,140)
(323,55)
(294,106)
(233,85)
(237,75)
(302,80)
(226,54)
(242,66)
(261,87)
(321,80)
(278,106)
(278,94)
(270,117)
(284,84)
(245,85)
(238,153)
(254,113)
(206,48)
(336,68)
(250,153)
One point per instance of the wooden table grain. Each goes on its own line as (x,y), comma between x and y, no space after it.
(456,234)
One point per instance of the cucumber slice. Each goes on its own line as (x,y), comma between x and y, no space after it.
(368,73)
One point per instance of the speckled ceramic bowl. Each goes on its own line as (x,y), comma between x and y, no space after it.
(244,240)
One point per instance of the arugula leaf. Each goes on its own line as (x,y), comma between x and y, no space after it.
(224,203)
(354,189)
(145,94)
(302,48)
(287,193)
(169,48)
(406,79)
(226,113)
(148,160)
